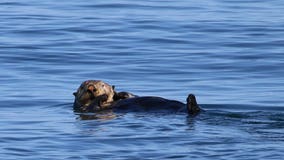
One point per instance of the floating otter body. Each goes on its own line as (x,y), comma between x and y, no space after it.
(94,96)
(149,103)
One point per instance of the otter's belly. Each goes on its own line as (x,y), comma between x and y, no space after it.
(152,104)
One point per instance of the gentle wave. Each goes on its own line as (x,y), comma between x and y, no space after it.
(227,53)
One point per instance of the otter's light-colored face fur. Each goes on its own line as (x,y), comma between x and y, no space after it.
(90,90)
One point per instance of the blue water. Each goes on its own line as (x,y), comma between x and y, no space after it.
(230,54)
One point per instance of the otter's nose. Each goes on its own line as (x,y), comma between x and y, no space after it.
(92,88)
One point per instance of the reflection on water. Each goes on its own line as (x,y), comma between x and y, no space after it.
(103,115)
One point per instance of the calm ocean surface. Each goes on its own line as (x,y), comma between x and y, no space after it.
(230,54)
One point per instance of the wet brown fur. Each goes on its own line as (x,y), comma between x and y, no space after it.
(94,91)
(98,94)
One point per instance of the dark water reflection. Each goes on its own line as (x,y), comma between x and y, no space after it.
(228,53)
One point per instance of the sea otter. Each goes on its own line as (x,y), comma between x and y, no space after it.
(96,95)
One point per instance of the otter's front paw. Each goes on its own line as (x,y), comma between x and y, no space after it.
(103,98)
(123,95)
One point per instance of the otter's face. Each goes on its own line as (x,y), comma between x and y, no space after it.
(91,92)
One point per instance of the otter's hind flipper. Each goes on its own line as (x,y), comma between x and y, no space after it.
(192,106)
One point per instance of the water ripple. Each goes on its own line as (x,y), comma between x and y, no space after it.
(228,53)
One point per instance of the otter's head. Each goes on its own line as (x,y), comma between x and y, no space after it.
(91,93)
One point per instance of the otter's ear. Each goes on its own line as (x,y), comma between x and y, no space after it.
(75,94)
(113,87)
